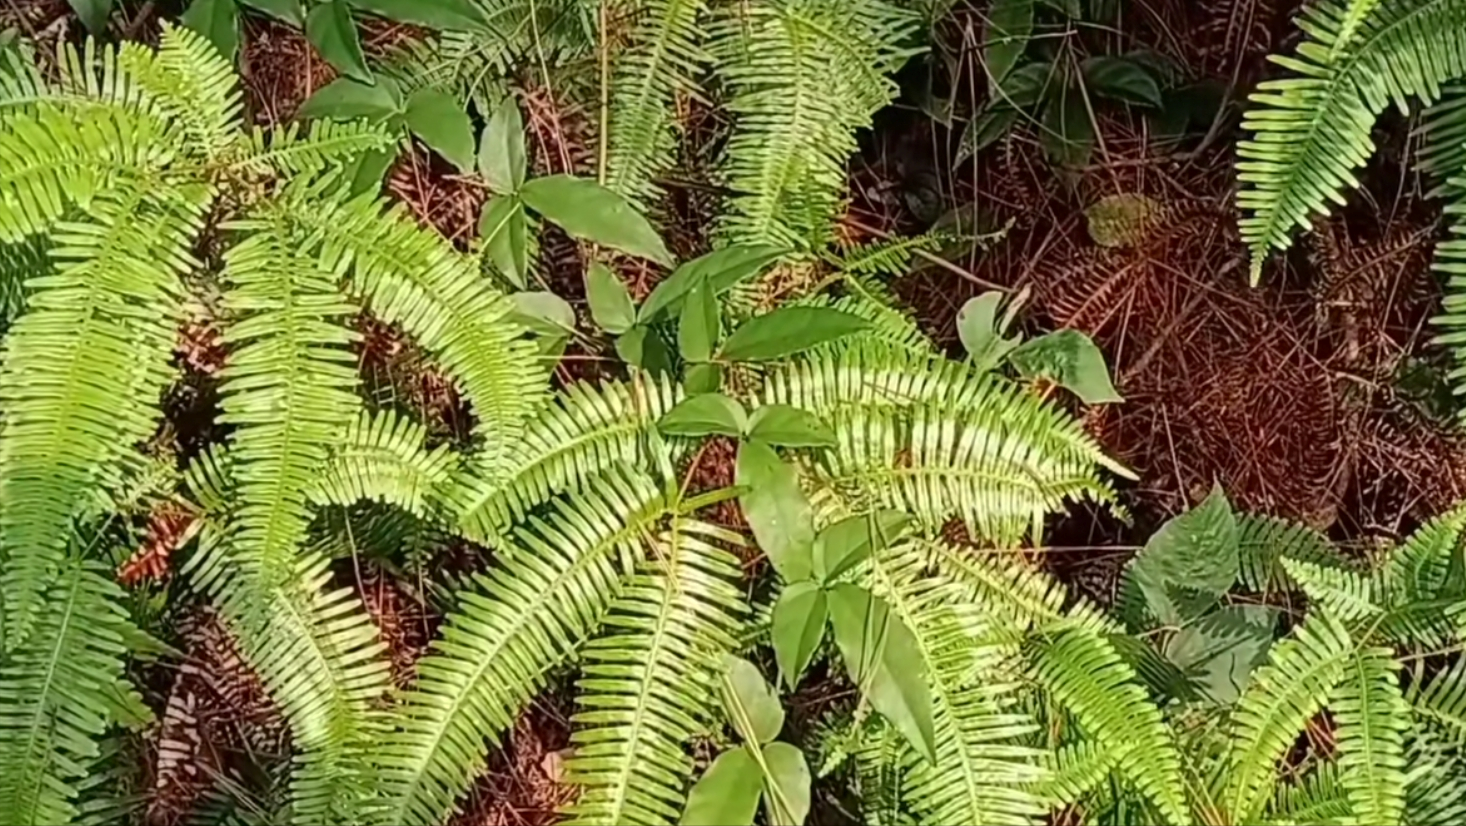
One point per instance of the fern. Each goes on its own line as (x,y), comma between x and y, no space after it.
(1371,715)
(1441,702)
(1264,542)
(382,457)
(1073,770)
(1319,798)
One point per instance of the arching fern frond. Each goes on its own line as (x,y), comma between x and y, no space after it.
(295,149)
(1371,718)
(383,457)
(1441,703)
(1073,770)
(192,85)
(1263,542)
(1318,798)
(1435,792)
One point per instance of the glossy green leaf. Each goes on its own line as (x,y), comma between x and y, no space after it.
(1219,651)
(288,11)
(706,377)
(1120,79)
(331,30)
(978,326)
(504,232)
(882,659)
(786,785)
(797,626)
(727,794)
(589,211)
(348,99)
(501,156)
(722,268)
(610,301)
(704,415)
(1009,24)
(776,509)
(989,125)
(94,15)
(701,324)
(1196,552)
(461,15)
(787,331)
(847,543)
(642,347)
(780,424)
(543,313)
(442,123)
(216,20)
(751,703)
(1067,130)
(1071,359)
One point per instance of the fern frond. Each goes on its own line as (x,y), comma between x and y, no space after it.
(1086,676)
(889,326)
(1073,770)
(54,694)
(1263,542)
(1371,718)
(1277,703)
(651,684)
(1311,131)
(879,754)
(1421,567)
(83,371)
(191,84)
(890,258)
(298,149)
(1351,596)
(18,263)
(1442,133)
(1435,792)
(1441,702)
(383,457)
(553,585)
(662,62)
(581,433)
(1014,596)
(1318,799)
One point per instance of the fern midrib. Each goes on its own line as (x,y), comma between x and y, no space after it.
(645,95)
(1368,791)
(769,199)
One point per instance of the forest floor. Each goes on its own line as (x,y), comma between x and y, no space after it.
(1312,397)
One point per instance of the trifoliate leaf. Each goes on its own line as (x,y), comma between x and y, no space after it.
(216,20)
(544,313)
(727,794)
(458,15)
(722,268)
(848,542)
(442,123)
(881,658)
(1219,651)
(331,30)
(1071,359)
(589,211)
(610,301)
(776,509)
(1120,79)
(704,415)
(789,330)
(701,324)
(797,626)
(751,703)
(786,785)
(504,232)
(977,327)
(501,157)
(289,11)
(348,99)
(780,424)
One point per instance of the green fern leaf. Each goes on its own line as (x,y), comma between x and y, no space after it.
(1371,717)
(382,457)
(1318,799)
(1263,542)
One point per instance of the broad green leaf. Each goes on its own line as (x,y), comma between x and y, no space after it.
(751,704)
(1219,651)
(706,377)
(776,509)
(1067,130)
(543,313)
(504,233)
(1009,24)
(727,794)
(797,626)
(1069,358)
(710,413)
(1195,552)
(367,170)
(978,328)
(980,133)
(216,20)
(1026,85)
(442,123)
(589,211)
(348,99)
(722,268)
(701,325)
(882,659)
(1120,79)
(94,14)
(501,157)
(610,301)
(848,542)
(787,331)
(289,11)
(780,424)
(642,347)
(786,786)
(461,15)
(331,30)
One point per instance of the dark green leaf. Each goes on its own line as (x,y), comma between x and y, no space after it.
(848,542)
(331,30)
(504,232)
(787,331)
(1069,8)
(610,301)
(881,657)
(544,313)
(786,785)
(1220,650)
(704,415)
(722,268)
(989,125)
(1009,24)
(1196,552)
(780,424)
(589,211)
(978,328)
(727,794)
(94,14)
(367,170)
(703,378)
(1120,79)
(501,158)
(461,15)
(1026,85)
(797,627)
(776,509)
(442,123)
(289,11)
(751,703)
(701,325)
(216,20)
(1071,359)
(1068,131)
(347,99)
(642,347)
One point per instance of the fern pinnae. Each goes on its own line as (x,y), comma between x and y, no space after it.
(1371,716)
(383,457)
